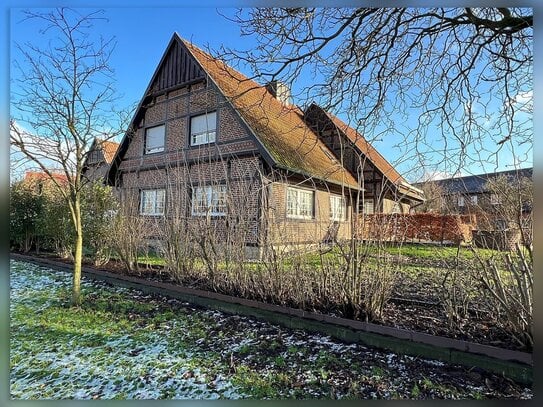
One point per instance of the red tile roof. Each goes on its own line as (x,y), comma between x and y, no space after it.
(40,176)
(367,149)
(109,148)
(279,127)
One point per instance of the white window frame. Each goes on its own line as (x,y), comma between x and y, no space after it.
(206,200)
(300,203)
(152,202)
(207,136)
(494,199)
(368,204)
(473,199)
(338,208)
(156,149)
(396,207)
(461,201)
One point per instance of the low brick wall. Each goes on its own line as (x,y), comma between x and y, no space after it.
(417,227)
(514,364)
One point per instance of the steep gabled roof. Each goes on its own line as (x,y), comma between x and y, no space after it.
(280,128)
(364,147)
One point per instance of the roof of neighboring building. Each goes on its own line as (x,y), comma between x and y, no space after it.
(41,176)
(279,127)
(473,184)
(109,148)
(372,154)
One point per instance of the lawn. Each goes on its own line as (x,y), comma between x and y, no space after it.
(122,344)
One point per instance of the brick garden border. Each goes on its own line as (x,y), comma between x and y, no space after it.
(513,364)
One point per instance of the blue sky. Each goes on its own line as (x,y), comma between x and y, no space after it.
(142,33)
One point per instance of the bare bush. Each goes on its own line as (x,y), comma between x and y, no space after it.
(457,291)
(509,280)
(128,234)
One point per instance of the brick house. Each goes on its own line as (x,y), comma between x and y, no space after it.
(495,214)
(99,158)
(207,142)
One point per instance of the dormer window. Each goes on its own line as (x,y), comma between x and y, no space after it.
(203,129)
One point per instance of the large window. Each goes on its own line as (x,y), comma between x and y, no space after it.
(154,139)
(152,202)
(300,203)
(338,207)
(203,129)
(209,200)
(461,201)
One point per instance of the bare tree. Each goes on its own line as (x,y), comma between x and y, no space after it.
(407,73)
(435,200)
(62,100)
(512,203)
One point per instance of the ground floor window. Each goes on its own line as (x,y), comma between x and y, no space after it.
(209,200)
(300,203)
(338,208)
(152,202)
(368,206)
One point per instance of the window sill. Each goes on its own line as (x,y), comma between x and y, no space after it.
(152,152)
(212,215)
(299,219)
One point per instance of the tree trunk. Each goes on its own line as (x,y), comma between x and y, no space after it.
(76,287)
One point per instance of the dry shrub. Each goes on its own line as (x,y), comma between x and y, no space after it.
(508,278)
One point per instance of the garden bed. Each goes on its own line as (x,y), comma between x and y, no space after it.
(414,304)
(122,343)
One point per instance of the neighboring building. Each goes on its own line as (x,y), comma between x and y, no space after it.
(99,159)
(505,209)
(207,142)
(470,194)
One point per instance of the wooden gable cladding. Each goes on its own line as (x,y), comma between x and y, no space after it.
(177,68)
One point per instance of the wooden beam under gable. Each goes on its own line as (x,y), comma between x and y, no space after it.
(178,68)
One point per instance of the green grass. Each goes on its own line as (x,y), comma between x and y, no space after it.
(314,259)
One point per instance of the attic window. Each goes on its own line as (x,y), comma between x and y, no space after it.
(203,129)
(154,139)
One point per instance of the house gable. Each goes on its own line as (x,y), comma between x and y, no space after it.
(280,129)
(177,68)
(179,90)
(276,131)
(357,154)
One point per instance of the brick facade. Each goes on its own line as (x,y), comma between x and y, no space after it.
(256,165)
(233,160)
